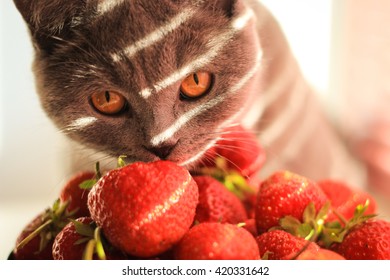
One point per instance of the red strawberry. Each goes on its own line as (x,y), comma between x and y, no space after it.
(240,148)
(215,241)
(285,194)
(33,250)
(281,245)
(250,225)
(76,195)
(344,199)
(321,254)
(144,208)
(369,240)
(216,203)
(65,245)
(249,201)
(36,239)
(77,241)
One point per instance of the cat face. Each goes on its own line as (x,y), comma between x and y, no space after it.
(147,79)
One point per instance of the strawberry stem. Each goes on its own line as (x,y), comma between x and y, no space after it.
(61,209)
(97,170)
(89,250)
(121,162)
(34,234)
(99,245)
(340,217)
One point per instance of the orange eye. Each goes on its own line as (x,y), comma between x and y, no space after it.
(108,102)
(196,84)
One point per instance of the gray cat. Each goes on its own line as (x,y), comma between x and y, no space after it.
(163,79)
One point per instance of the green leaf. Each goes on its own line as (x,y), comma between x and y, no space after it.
(290,224)
(82,240)
(330,236)
(88,184)
(309,214)
(323,212)
(83,229)
(333,225)
(335,232)
(59,210)
(306,231)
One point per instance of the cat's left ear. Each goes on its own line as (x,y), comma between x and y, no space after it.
(228,7)
(47,19)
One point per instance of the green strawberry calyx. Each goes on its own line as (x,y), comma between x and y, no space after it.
(92,236)
(334,232)
(312,224)
(314,227)
(88,184)
(231,179)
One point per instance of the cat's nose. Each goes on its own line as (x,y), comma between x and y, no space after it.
(162,151)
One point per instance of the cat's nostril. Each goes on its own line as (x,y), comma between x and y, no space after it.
(162,151)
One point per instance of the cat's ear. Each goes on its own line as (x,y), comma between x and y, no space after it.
(48,20)
(228,7)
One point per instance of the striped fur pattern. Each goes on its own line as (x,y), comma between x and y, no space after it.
(144,49)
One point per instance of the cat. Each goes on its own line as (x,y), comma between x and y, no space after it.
(163,79)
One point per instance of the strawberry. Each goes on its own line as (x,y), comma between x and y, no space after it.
(216,241)
(249,201)
(281,245)
(76,195)
(36,239)
(285,194)
(250,226)
(81,239)
(67,245)
(144,208)
(321,254)
(240,148)
(216,203)
(344,199)
(33,250)
(369,240)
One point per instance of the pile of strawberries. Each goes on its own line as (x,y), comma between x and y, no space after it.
(160,210)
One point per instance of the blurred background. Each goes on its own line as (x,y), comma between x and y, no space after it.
(343,47)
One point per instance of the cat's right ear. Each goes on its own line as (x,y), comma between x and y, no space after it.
(51,20)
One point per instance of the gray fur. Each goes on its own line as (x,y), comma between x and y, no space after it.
(73,59)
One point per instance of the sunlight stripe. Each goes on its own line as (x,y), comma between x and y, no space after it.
(81,123)
(156,35)
(106,6)
(186,117)
(215,45)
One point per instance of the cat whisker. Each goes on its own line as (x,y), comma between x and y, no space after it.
(235,148)
(72,44)
(198,155)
